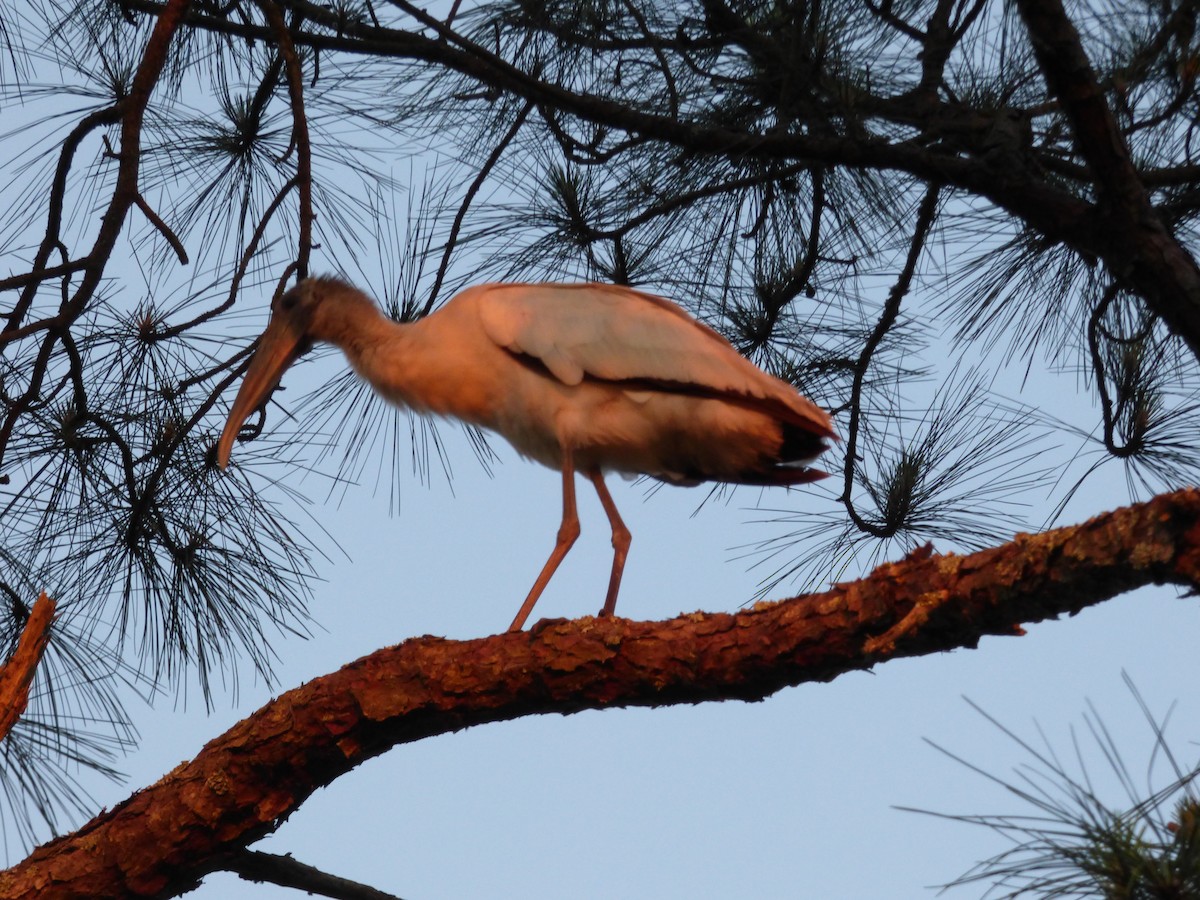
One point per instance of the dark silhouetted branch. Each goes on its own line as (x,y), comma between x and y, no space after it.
(254,865)
(1139,249)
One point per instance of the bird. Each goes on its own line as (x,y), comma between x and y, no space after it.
(588,378)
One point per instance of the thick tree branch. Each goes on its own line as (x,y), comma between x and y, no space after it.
(243,784)
(1139,248)
(1057,213)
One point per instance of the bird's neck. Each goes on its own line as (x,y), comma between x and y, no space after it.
(351,321)
(428,365)
(402,362)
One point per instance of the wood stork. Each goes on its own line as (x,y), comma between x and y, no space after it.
(579,377)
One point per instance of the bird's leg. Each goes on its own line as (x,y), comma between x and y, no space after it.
(620,540)
(568,531)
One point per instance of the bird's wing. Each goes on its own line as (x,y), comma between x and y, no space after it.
(615,333)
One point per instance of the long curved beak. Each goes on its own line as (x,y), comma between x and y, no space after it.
(280,345)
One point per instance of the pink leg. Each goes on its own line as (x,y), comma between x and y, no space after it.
(568,531)
(620,541)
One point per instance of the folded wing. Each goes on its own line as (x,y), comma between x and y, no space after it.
(619,334)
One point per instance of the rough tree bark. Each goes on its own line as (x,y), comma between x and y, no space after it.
(163,839)
(16,675)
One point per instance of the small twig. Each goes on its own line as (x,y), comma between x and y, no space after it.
(19,406)
(163,228)
(802,273)
(257,866)
(884,12)
(122,447)
(206,374)
(675,202)
(484,171)
(53,323)
(16,675)
(453,12)
(891,311)
(1110,416)
(243,265)
(25,279)
(295,83)
(56,201)
(668,78)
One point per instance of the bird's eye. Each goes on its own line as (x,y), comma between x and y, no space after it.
(288,301)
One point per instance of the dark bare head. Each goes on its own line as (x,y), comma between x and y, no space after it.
(296,322)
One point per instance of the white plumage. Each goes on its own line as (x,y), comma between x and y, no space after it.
(583,377)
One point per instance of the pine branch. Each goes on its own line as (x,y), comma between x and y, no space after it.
(271,868)
(1059,214)
(130,112)
(1125,230)
(1140,249)
(163,839)
(16,675)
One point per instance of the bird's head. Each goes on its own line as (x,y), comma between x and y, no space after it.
(289,335)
